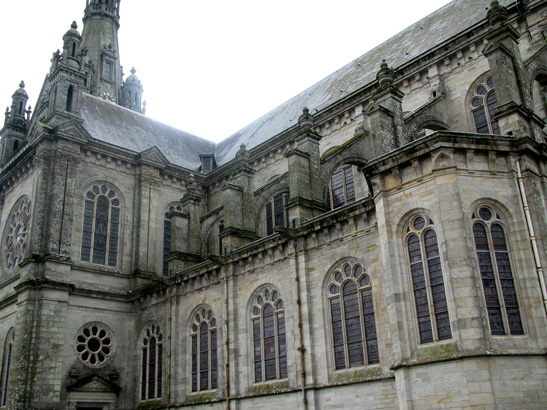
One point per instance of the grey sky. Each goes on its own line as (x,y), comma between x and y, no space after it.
(210,68)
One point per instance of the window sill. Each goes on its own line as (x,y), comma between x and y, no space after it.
(356,374)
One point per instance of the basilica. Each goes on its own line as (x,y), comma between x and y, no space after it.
(379,241)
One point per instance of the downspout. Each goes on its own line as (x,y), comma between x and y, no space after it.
(301,348)
(169,330)
(227,343)
(535,251)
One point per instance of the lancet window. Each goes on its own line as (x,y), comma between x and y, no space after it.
(204,350)
(498,283)
(483,107)
(341,187)
(351,308)
(427,280)
(151,363)
(269,339)
(101,226)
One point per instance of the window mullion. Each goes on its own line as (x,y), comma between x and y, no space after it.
(209,354)
(93,230)
(108,227)
(276,343)
(362,320)
(344,331)
(262,349)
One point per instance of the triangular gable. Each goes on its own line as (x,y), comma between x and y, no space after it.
(93,383)
(153,156)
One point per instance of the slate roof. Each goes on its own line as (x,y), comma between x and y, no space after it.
(111,123)
(114,124)
(423,35)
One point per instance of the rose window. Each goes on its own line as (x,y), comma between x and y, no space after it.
(95,344)
(16,242)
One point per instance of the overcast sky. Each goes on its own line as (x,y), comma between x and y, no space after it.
(210,67)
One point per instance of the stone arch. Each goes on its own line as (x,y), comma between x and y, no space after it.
(425,122)
(331,164)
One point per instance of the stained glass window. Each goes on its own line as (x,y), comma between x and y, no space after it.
(151,363)
(352,317)
(101,226)
(204,350)
(277,213)
(269,341)
(496,274)
(483,106)
(341,189)
(427,281)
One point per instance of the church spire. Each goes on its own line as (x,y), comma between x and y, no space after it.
(100,42)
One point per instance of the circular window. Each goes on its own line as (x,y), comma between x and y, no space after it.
(16,236)
(95,344)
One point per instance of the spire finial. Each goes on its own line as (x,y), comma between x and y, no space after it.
(74,25)
(133,71)
(22,84)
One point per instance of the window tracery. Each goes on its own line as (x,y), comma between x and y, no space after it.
(497,278)
(483,107)
(269,340)
(151,363)
(427,280)
(353,322)
(17,231)
(101,226)
(204,351)
(95,344)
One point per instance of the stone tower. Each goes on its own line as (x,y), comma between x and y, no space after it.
(100,40)
(15,125)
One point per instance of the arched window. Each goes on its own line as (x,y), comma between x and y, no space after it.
(6,364)
(352,317)
(341,187)
(101,226)
(497,278)
(270,346)
(204,351)
(483,106)
(151,364)
(427,280)
(15,145)
(167,238)
(276,213)
(69,97)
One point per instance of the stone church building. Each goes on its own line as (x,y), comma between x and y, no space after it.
(377,242)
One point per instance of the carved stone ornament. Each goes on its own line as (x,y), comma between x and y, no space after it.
(95,344)
(17,234)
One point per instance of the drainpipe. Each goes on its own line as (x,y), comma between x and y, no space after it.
(227,343)
(535,251)
(301,349)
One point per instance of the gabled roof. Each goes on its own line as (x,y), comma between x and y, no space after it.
(111,123)
(415,40)
(117,125)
